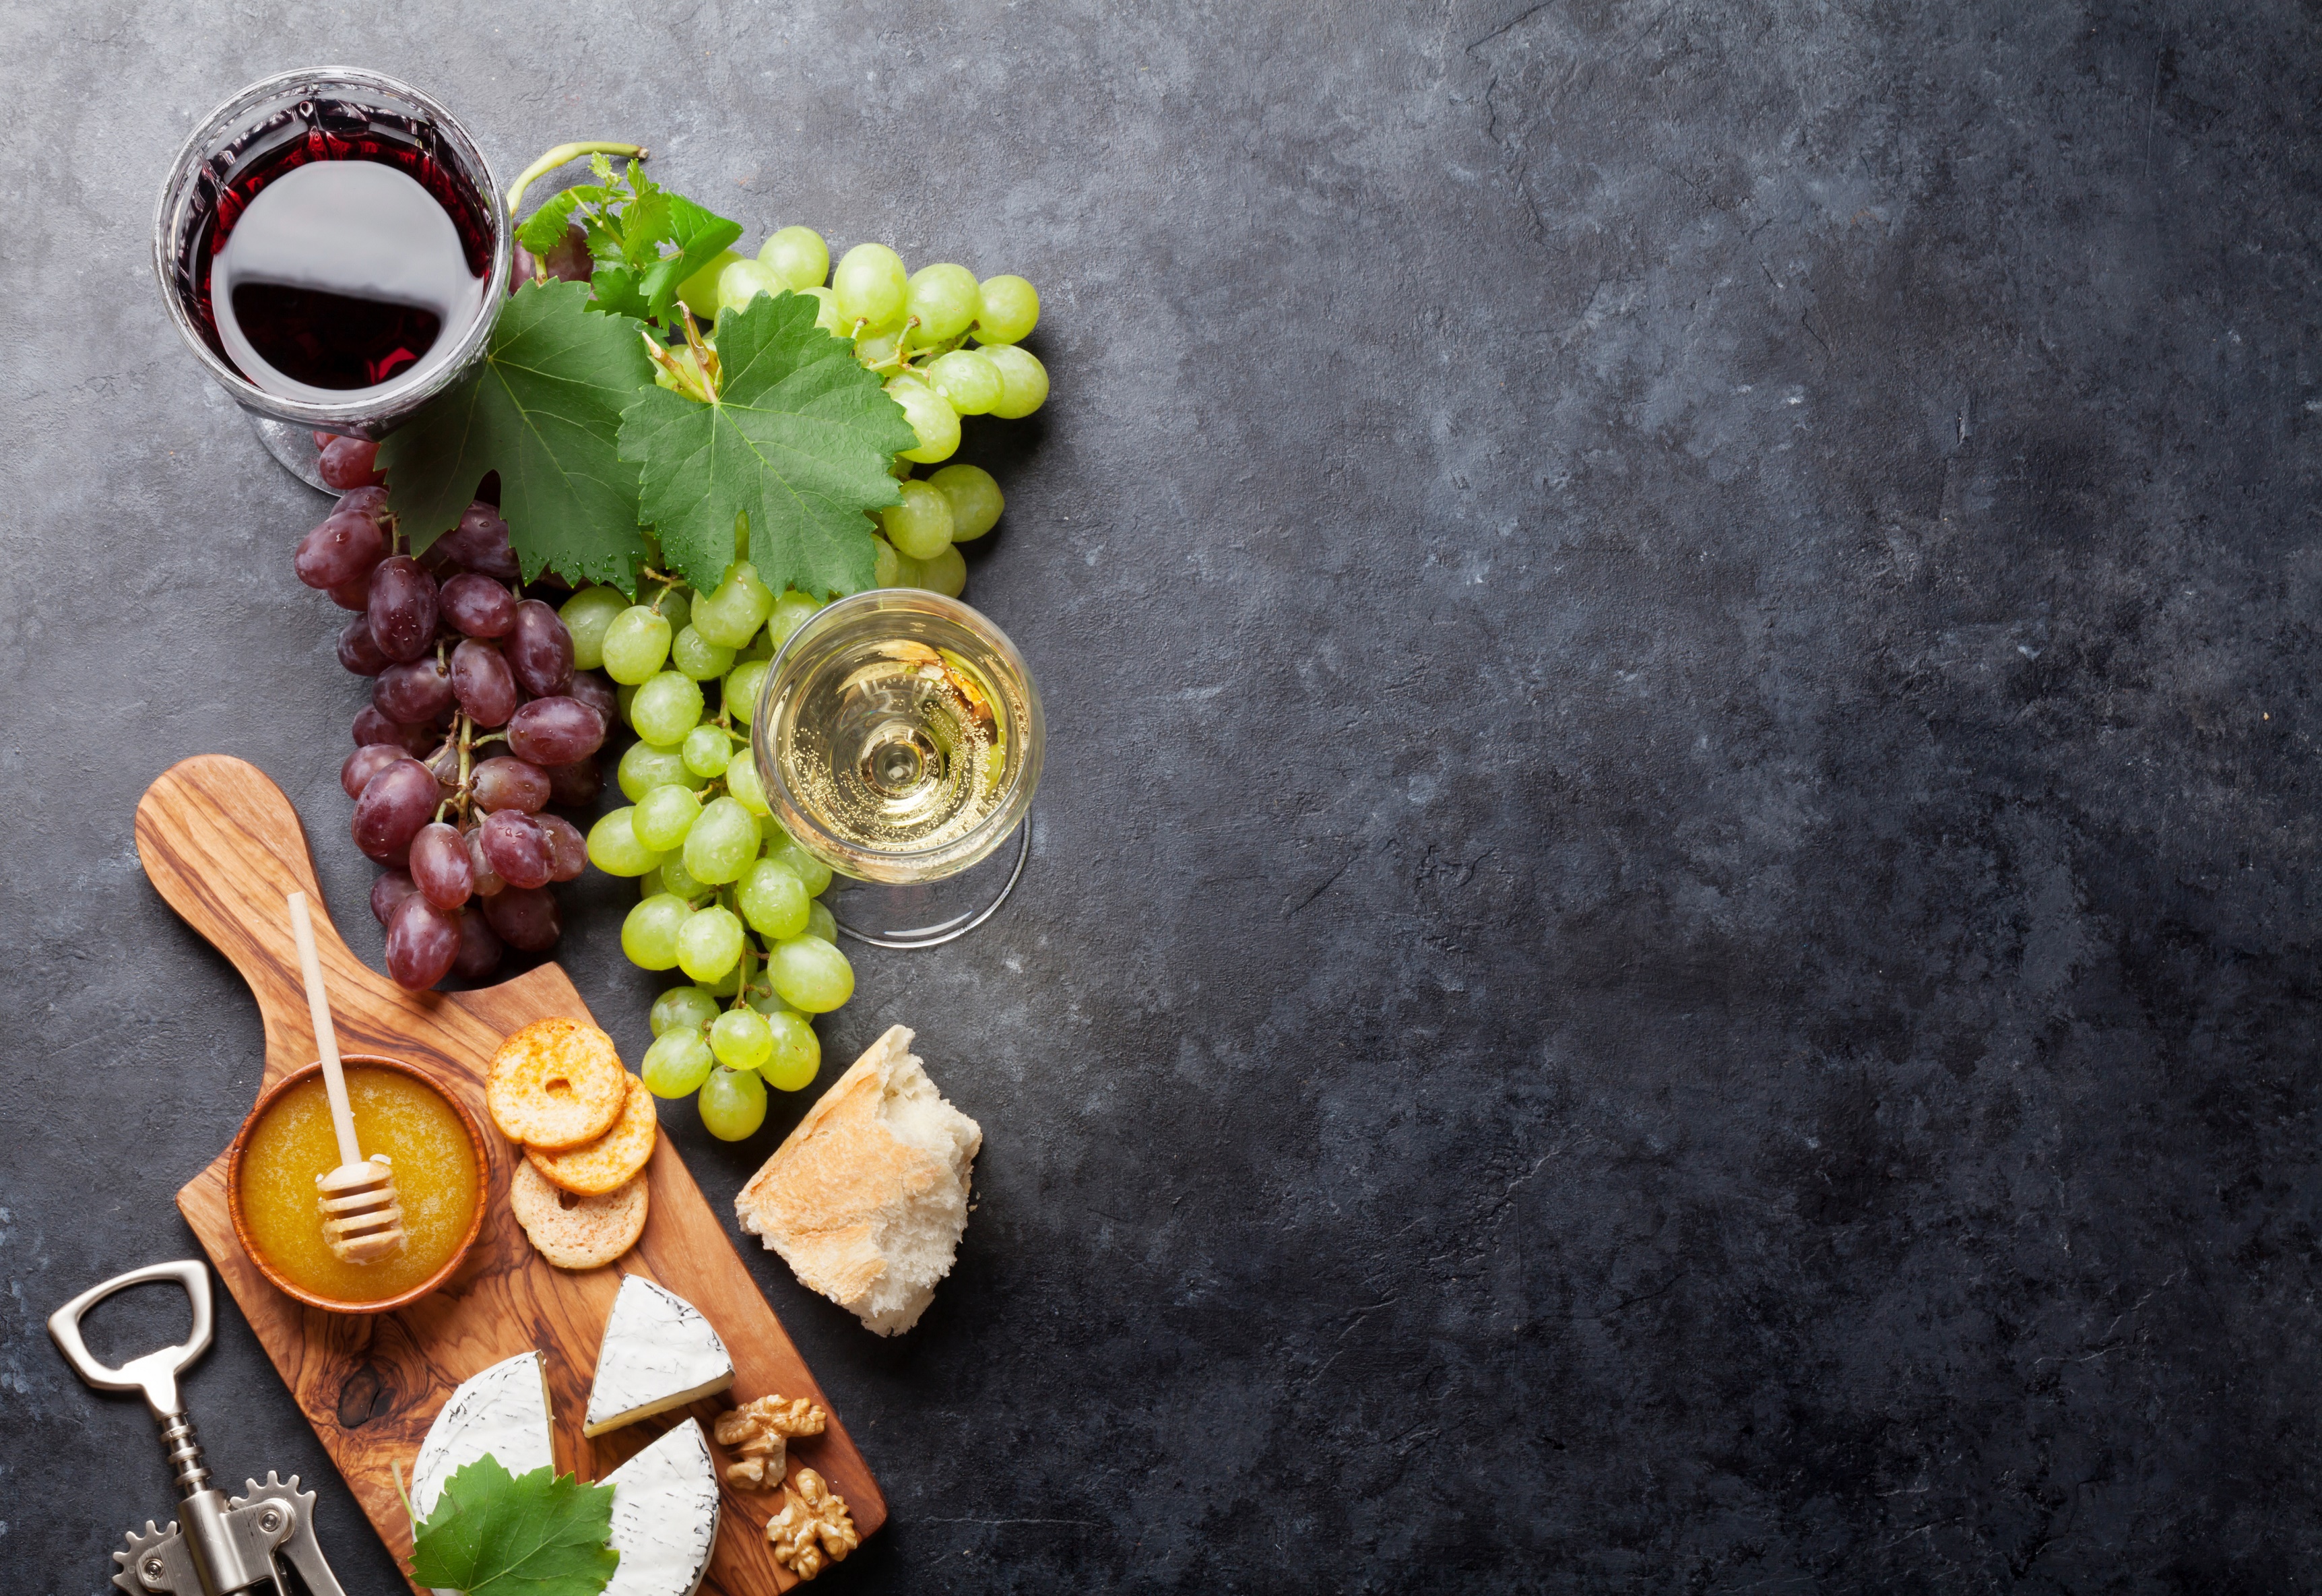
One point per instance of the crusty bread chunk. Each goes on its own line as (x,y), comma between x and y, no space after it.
(867,1199)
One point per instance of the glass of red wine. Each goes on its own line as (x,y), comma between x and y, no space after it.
(334,248)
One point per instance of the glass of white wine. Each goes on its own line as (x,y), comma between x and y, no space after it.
(899,739)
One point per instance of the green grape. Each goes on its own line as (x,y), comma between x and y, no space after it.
(649,935)
(1011,310)
(673,608)
(871,285)
(707,750)
(795,1056)
(682,1008)
(679,1061)
(614,847)
(744,280)
(649,885)
(743,781)
(886,565)
(759,646)
(664,816)
(635,645)
(811,974)
(821,922)
(624,696)
(768,1003)
(709,943)
(976,502)
(945,574)
(726,985)
(1024,381)
(732,1104)
(797,255)
(935,422)
(773,899)
(826,311)
(666,708)
(922,524)
(586,615)
(719,848)
(741,1039)
(969,383)
(801,864)
(698,293)
(742,685)
(791,611)
(676,878)
(644,766)
(737,608)
(946,299)
(879,349)
(698,657)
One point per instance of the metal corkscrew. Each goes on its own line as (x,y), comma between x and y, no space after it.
(215,1545)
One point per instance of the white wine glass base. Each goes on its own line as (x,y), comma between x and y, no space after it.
(928,914)
(293,448)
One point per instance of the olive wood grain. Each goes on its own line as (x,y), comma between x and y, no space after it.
(224,848)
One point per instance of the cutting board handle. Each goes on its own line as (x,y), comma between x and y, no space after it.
(223,845)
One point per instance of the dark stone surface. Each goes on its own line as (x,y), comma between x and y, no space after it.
(1672,943)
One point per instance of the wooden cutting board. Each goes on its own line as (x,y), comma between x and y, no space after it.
(225,846)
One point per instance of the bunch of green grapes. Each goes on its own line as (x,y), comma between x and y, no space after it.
(913,329)
(727,897)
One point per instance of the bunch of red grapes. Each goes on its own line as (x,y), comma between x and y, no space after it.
(477,724)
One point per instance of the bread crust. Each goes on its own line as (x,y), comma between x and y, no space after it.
(595,1167)
(843,1177)
(555,1084)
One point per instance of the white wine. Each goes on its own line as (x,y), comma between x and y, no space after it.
(899,736)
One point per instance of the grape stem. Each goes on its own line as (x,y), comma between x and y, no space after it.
(552,159)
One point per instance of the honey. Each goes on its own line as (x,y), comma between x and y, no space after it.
(436,1180)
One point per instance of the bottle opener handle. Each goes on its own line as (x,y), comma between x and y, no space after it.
(155,1375)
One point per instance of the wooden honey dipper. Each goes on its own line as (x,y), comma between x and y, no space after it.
(361,1220)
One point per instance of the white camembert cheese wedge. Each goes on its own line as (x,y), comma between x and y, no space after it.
(664,1516)
(658,1354)
(503,1412)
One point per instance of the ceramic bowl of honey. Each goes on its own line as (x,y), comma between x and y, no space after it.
(430,1138)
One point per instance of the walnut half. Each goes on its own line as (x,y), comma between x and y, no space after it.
(814,1528)
(760,1432)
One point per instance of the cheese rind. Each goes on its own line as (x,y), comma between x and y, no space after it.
(502,1412)
(658,1354)
(666,1513)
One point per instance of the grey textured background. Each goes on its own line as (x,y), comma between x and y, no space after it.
(1672,943)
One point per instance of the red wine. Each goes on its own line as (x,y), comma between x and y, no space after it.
(365,309)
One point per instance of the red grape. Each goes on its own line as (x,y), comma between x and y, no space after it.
(395,804)
(478,543)
(439,865)
(568,850)
(422,941)
(352,595)
(577,785)
(479,606)
(350,463)
(363,501)
(403,608)
(341,549)
(388,893)
(540,650)
(479,945)
(526,917)
(413,692)
(365,763)
(597,692)
(371,726)
(555,731)
(357,652)
(488,881)
(517,849)
(505,783)
(481,682)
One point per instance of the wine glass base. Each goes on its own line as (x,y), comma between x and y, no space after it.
(928,914)
(293,448)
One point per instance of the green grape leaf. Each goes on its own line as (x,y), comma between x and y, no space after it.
(544,230)
(542,409)
(535,1535)
(698,234)
(799,441)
